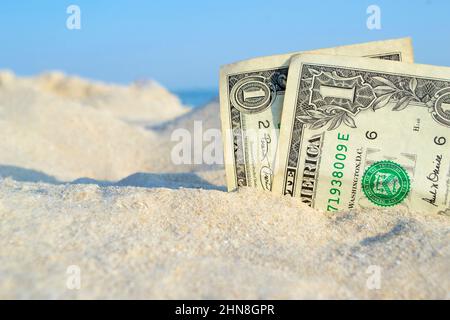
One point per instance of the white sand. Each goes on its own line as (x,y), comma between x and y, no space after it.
(142,102)
(146,228)
(66,137)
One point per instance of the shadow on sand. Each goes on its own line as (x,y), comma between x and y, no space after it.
(140,179)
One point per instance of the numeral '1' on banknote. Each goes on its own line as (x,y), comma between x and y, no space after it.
(251,100)
(364,132)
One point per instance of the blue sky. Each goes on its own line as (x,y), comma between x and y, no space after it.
(181,44)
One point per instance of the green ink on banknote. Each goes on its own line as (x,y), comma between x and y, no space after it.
(386,183)
(338,174)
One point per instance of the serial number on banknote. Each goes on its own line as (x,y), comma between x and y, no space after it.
(338,173)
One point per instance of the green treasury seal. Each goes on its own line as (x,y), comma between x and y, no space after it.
(386,183)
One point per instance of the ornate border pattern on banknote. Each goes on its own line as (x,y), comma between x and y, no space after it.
(273,78)
(369,90)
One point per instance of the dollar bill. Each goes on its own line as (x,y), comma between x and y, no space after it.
(359,133)
(251,100)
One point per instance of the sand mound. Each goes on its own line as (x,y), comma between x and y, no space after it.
(208,115)
(142,102)
(65,128)
(67,140)
(203,128)
(162,243)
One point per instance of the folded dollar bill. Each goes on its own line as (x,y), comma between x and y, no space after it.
(251,101)
(361,132)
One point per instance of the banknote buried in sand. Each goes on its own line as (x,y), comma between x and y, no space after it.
(340,132)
